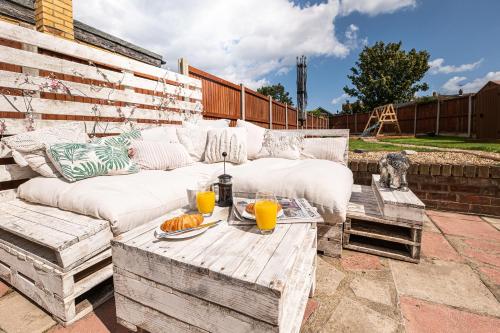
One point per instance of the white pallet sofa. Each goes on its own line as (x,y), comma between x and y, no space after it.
(52,256)
(58,258)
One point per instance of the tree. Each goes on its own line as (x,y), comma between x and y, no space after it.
(277,92)
(387,74)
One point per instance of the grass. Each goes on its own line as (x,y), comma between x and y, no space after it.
(373,146)
(448,142)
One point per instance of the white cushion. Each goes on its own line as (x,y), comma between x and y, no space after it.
(331,149)
(151,155)
(167,134)
(325,184)
(255,137)
(282,145)
(194,139)
(29,147)
(232,140)
(125,201)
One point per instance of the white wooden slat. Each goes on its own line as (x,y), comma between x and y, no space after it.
(48,221)
(45,62)
(91,224)
(15,172)
(280,264)
(253,264)
(68,108)
(192,310)
(23,81)
(24,35)
(36,233)
(16,126)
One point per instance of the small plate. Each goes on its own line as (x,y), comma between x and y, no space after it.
(249,216)
(183,235)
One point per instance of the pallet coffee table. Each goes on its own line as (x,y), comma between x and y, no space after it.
(384,222)
(229,279)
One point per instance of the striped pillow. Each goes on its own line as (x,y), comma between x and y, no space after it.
(152,155)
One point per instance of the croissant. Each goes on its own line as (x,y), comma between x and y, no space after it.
(184,221)
(250,208)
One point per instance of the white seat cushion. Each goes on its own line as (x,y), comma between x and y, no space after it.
(125,201)
(325,184)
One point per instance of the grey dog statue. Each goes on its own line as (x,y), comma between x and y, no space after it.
(393,168)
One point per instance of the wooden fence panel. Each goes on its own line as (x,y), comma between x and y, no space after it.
(454,115)
(257,108)
(279,117)
(406,118)
(292,118)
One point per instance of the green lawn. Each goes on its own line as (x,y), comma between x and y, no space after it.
(449,142)
(372,146)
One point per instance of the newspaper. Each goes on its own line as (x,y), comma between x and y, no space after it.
(296,210)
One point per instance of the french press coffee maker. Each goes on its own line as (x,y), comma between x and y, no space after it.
(225,186)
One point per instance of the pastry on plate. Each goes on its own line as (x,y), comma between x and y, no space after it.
(250,208)
(184,221)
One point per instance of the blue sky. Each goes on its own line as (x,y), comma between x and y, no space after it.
(255,42)
(460,32)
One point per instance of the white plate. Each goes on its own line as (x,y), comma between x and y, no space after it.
(249,216)
(183,235)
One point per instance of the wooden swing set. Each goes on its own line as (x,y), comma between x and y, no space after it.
(382,115)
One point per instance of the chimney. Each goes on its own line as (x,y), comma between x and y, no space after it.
(55,17)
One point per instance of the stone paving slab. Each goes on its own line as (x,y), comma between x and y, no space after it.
(466,228)
(445,282)
(493,221)
(360,261)
(18,315)
(4,289)
(456,216)
(435,246)
(421,316)
(377,291)
(352,316)
(429,225)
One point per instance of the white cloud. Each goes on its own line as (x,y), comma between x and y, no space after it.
(340,99)
(456,83)
(437,67)
(374,7)
(241,41)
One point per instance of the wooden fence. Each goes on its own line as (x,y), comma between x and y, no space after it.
(448,116)
(224,99)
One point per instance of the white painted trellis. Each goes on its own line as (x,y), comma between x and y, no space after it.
(127,73)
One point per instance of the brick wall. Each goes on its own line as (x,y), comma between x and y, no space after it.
(468,188)
(55,17)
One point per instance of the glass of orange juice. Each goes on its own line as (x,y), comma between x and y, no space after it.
(205,200)
(266,212)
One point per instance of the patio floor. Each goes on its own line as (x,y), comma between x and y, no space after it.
(455,288)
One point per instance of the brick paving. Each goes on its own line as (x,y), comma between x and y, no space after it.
(455,288)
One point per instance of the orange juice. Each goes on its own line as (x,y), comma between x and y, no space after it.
(266,214)
(205,201)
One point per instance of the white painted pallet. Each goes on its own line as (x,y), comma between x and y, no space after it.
(229,279)
(396,204)
(368,230)
(55,257)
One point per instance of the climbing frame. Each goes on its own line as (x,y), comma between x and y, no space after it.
(382,115)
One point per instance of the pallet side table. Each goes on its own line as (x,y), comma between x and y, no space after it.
(368,230)
(229,279)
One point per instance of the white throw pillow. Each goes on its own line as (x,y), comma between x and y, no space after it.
(219,123)
(28,148)
(282,145)
(231,140)
(151,155)
(166,134)
(255,137)
(194,139)
(331,149)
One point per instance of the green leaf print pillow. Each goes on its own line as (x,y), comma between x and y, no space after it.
(77,161)
(123,140)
